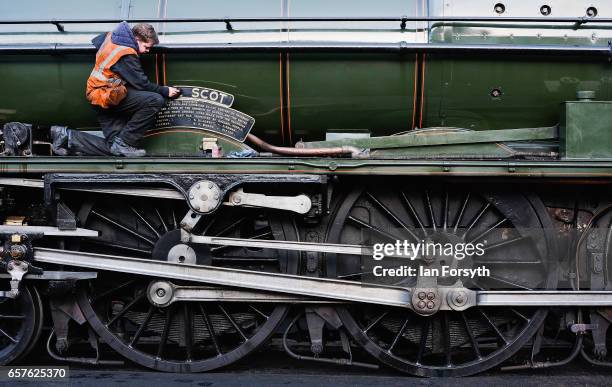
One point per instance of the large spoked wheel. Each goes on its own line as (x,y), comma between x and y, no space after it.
(515,231)
(20,324)
(184,336)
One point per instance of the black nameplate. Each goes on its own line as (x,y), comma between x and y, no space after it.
(200,114)
(207,94)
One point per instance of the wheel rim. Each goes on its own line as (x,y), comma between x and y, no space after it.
(18,325)
(185,336)
(38,322)
(447,343)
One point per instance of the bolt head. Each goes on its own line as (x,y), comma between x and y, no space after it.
(160,292)
(421,295)
(431,296)
(316,348)
(196,207)
(236,199)
(210,185)
(460,298)
(430,305)
(421,304)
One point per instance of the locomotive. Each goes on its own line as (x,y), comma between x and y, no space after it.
(416,122)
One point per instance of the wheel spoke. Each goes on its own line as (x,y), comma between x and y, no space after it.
(487,231)
(165,332)
(233,322)
(477,285)
(432,217)
(373,228)
(398,335)
(504,243)
(492,324)
(230,227)
(142,326)
(390,214)
(162,221)
(476,218)
(174,220)
(113,290)
(353,274)
(116,246)
(445,212)
(143,220)
(413,212)
(423,339)
(376,321)
(188,330)
(210,328)
(516,312)
(447,339)
(261,235)
(508,282)
(507,262)
(11,338)
(461,212)
(252,261)
(470,334)
(11,317)
(259,312)
(122,227)
(125,309)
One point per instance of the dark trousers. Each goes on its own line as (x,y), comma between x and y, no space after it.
(86,144)
(131,118)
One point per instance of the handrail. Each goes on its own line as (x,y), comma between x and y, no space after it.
(398,47)
(402,19)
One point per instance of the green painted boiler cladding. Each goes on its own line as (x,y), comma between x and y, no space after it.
(304,95)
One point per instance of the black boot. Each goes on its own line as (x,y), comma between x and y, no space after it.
(120,148)
(59,140)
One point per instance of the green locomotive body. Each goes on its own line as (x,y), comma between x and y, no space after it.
(475,124)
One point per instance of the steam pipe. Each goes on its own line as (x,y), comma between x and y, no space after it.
(318,152)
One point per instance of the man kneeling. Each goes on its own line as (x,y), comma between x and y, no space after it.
(125,101)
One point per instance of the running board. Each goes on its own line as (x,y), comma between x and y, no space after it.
(445,298)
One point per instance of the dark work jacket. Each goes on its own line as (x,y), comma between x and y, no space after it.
(129,67)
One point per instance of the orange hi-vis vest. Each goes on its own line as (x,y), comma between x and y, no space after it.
(104,87)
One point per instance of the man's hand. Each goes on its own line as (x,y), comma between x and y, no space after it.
(173,92)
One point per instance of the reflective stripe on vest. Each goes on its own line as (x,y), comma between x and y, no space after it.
(98,72)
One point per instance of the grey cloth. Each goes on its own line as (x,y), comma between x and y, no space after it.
(242,154)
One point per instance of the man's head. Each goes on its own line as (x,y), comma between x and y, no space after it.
(146,37)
